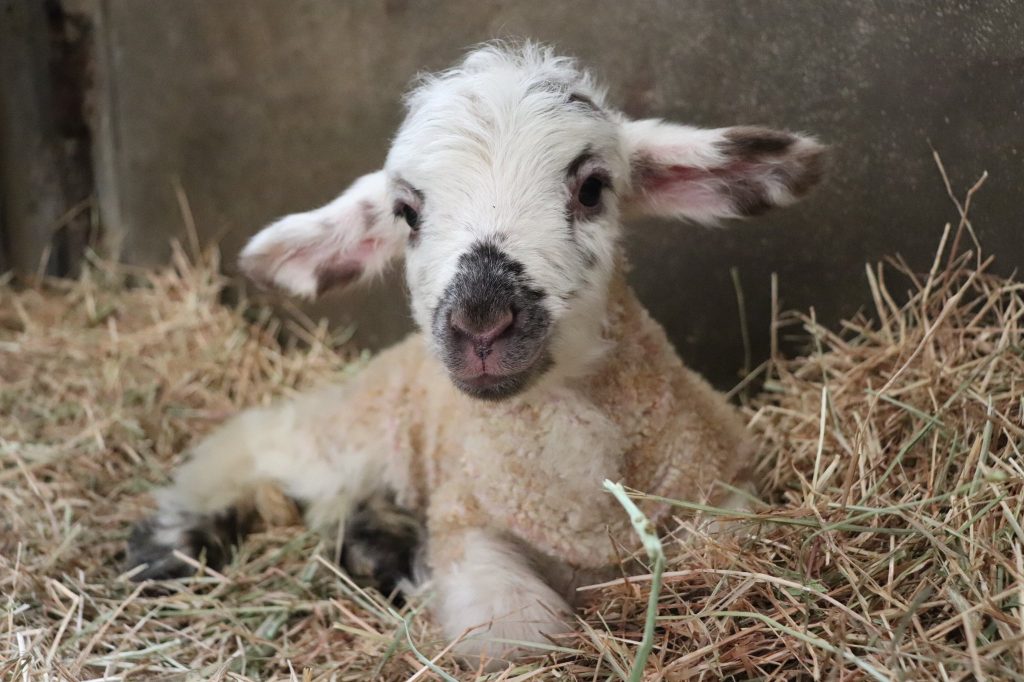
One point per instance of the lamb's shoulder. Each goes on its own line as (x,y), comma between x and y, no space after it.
(683,435)
(703,445)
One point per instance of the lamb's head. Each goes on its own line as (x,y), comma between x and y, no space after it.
(503,189)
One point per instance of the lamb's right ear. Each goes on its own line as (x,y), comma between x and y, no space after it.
(354,237)
(706,175)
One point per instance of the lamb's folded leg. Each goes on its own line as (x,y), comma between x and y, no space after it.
(294,446)
(382,547)
(489,595)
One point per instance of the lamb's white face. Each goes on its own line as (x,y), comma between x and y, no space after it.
(507,180)
(503,189)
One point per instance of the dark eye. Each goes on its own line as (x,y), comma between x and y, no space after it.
(409,214)
(589,194)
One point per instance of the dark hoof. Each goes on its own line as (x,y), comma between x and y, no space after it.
(382,541)
(209,539)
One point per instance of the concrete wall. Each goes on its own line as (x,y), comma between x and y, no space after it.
(259,107)
(45,178)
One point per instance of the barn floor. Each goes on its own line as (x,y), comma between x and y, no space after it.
(892,458)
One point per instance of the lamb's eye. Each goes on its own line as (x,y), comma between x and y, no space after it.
(589,194)
(410,215)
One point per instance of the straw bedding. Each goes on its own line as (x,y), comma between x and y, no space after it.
(890,545)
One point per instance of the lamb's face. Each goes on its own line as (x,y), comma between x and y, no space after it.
(503,189)
(508,186)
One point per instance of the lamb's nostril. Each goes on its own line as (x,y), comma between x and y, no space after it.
(483,331)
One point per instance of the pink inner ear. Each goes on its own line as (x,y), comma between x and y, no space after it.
(654,178)
(685,188)
(345,268)
(735,188)
(366,248)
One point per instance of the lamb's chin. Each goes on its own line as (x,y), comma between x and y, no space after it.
(493,387)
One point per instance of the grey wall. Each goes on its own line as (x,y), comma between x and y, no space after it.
(45,176)
(260,107)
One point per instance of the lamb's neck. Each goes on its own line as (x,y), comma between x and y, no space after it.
(589,344)
(626,316)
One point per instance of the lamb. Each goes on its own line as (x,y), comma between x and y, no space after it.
(535,374)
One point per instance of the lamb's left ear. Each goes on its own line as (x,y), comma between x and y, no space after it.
(353,237)
(703,175)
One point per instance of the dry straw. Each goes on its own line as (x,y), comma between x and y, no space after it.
(890,546)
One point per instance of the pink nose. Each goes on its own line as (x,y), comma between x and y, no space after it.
(482,333)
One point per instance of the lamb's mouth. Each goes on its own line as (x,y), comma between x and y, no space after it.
(495,386)
(488,384)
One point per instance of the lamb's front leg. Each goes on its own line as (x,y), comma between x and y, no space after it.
(489,596)
(303,447)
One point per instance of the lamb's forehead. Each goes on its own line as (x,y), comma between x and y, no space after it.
(496,93)
(500,71)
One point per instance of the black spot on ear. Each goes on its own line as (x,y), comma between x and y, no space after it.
(763,157)
(752,141)
(749,198)
(812,164)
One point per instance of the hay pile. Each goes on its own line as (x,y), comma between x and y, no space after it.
(892,460)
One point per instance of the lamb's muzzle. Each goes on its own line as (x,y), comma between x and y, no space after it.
(491,326)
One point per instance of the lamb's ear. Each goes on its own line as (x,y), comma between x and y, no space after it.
(353,237)
(705,175)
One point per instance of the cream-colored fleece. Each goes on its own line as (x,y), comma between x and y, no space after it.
(511,490)
(532,466)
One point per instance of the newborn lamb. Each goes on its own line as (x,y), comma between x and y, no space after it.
(535,374)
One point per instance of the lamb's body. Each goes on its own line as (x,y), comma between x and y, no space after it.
(537,373)
(528,469)
(641,418)
(532,466)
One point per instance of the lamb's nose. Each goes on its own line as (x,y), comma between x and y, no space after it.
(482,332)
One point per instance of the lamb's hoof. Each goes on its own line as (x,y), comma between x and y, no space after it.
(382,544)
(158,544)
(159,559)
